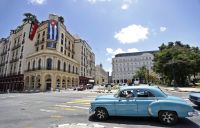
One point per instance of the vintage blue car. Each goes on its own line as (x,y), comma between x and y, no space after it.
(195,98)
(148,101)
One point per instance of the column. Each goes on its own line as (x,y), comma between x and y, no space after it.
(53,82)
(61,80)
(42,82)
(35,82)
(29,84)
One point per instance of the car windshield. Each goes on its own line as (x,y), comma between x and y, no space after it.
(162,92)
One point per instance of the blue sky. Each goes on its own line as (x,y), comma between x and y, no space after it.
(114,26)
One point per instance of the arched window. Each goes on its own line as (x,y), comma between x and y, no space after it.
(64,67)
(33,65)
(39,64)
(58,66)
(69,68)
(38,36)
(49,64)
(76,70)
(73,69)
(28,66)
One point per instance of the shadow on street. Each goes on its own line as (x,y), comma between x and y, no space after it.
(146,121)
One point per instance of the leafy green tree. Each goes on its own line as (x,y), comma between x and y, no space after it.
(177,62)
(141,73)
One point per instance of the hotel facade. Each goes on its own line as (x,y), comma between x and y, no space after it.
(42,56)
(101,76)
(125,65)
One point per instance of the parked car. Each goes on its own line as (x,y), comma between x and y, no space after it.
(90,86)
(147,101)
(195,98)
(81,88)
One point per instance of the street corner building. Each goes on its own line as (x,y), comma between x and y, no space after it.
(44,56)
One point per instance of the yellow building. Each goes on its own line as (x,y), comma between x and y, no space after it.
(52,65)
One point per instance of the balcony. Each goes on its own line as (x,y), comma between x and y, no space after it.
(16,46)
(39,42)
(14,60)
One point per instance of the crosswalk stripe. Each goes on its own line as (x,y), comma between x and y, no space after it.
(47,110)
(63,125)
(69,109)
(57,105)
(81,107)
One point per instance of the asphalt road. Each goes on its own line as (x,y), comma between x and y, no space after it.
(70,109)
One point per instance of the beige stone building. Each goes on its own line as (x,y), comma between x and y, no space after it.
(13,53)
(50,59)
(86,60)
(52,65)
(101,76)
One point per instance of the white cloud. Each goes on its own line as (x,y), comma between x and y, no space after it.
(127,3)
(111,53)
(124,6)
(38,2)
(162,29)
(109,59)
(132,34)
(95,1)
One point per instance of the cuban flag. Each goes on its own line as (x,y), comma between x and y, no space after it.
(53,30)
(33,30)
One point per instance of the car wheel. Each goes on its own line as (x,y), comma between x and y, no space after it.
(168,117)
(101,114)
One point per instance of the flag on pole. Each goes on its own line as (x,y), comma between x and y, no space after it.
(33,30)
(53,30)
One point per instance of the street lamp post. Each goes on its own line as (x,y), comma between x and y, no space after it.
(173,73)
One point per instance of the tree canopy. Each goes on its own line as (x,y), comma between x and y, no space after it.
(177,61)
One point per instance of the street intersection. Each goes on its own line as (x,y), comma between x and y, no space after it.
(67,109)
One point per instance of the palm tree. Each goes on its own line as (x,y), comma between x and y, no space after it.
(30,17)
(61,19)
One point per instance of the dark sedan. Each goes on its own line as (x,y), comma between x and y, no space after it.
(195,98)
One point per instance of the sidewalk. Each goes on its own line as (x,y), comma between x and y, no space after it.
(181,89)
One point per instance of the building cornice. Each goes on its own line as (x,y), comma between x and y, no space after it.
(135,53)
(50,52)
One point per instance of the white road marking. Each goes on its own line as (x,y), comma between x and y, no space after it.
(64,106)
(82,124)
(63,125)
(71,102)
(46,110)
(98,126)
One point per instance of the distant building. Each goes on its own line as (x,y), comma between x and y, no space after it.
(86,60)
(14,51)
(101,76)
(125,65)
